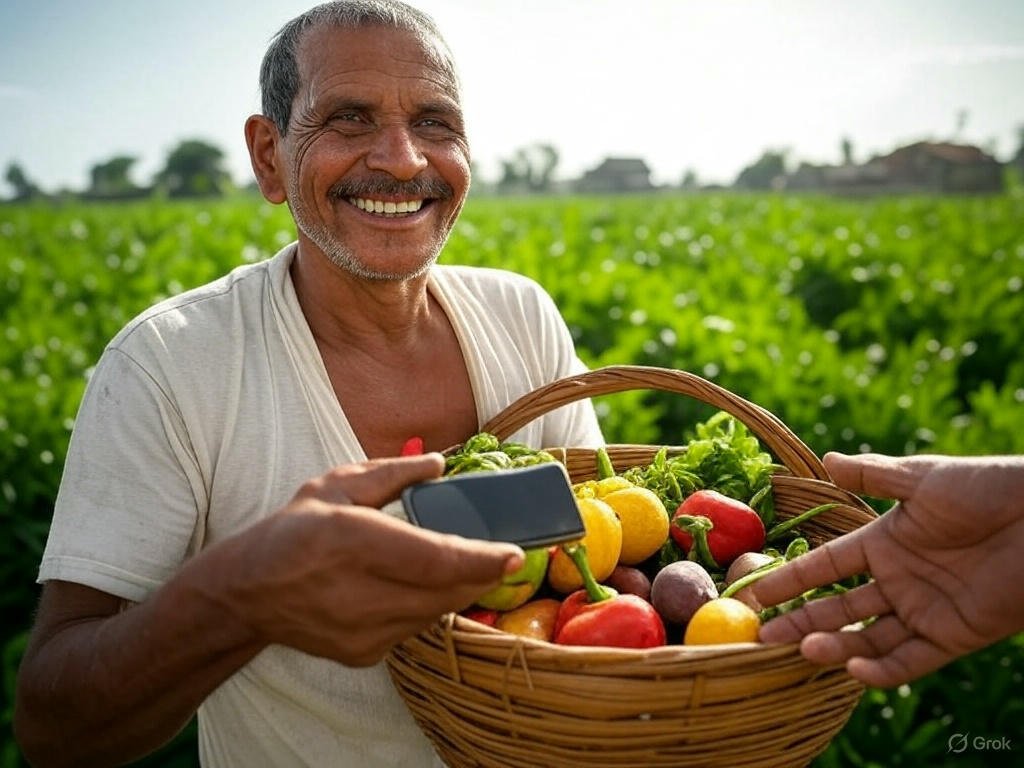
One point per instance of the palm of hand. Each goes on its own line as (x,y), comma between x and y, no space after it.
(941,572)
(944,563)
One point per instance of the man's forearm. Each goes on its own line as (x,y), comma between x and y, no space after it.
(112,688)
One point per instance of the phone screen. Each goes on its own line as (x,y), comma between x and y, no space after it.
(531,506)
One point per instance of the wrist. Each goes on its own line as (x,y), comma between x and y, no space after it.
(219,592)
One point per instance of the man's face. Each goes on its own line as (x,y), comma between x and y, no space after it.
(376,153)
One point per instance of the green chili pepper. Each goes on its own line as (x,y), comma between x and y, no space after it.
(787,525)
(797,547)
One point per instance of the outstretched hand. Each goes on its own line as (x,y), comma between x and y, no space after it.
(947,564)
(331,575)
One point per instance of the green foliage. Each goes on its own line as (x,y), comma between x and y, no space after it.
(194,169)
(111,180)
(24,188)
(891,325)
(721,454)
(762,173)
(530,169)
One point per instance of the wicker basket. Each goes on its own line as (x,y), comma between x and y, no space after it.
(489,698)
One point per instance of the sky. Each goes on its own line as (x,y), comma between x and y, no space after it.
(701,85)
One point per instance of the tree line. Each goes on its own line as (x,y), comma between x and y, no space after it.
(194,168)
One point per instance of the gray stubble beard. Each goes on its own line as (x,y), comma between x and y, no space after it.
(344,258)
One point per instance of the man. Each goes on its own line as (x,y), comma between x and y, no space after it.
(216,542)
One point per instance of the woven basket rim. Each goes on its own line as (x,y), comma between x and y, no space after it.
(772,431)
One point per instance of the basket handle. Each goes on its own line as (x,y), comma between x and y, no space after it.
(785,445)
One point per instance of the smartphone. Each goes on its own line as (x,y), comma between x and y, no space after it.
(530,506)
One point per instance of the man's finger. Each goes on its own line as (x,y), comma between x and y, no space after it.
(425,604)
(874,641)
(908,661)
(827,614)
(873,474)
(460,561)
(835,560)
(380,481)
(439,560)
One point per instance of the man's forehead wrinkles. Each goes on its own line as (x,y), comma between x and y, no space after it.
(417,73)
(418,89)
(333,59)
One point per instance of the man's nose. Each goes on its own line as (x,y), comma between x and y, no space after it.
(396,151)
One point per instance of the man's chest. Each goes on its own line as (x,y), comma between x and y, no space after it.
(385,404)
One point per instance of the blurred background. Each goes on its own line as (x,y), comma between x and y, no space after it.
(697,91)
(819,206)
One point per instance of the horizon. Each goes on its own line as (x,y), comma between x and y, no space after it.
(682,85)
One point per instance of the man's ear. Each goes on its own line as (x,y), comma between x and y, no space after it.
(262,138)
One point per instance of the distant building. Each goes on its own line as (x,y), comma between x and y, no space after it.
(943,167)
(935,167)
(871,176)
(617,174)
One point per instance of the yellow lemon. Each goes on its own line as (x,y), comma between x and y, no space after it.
(722,620)
(645,523)
(603,540)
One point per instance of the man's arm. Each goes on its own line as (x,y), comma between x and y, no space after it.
(328,575)
(99,685)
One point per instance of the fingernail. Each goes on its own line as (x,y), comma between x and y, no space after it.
(515,561)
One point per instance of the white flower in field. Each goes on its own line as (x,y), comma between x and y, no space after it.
(717,323)
(875,353)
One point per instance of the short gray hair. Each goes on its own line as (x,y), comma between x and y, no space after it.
(279,73)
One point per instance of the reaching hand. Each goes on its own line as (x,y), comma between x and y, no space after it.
(947,564)
(333,576)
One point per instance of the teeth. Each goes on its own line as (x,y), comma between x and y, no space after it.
(388,208)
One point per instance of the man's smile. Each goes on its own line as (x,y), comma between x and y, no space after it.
(386,207)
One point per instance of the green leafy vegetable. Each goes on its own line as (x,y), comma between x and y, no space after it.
(484,452)
(722,456)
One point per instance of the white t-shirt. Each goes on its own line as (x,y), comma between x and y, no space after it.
(205,414)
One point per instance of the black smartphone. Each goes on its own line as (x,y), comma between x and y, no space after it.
(530,506)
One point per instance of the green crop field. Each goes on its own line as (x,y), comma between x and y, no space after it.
(893,325)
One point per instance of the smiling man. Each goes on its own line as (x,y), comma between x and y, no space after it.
(388,142)
(225,538)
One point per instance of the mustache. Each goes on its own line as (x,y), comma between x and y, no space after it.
(391,187)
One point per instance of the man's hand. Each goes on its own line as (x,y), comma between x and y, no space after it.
(330,575)
(947,564)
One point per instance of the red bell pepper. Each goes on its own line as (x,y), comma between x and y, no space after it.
(572,605)
(715,529)
(483,615)
(598,615)
(412,447)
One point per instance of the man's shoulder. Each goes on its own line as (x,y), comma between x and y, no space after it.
(213,306)
(493,295)
(487,279)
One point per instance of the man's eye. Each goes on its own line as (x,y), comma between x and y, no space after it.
(435,125)
(348,117)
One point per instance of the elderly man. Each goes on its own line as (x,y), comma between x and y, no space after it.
(218,542)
